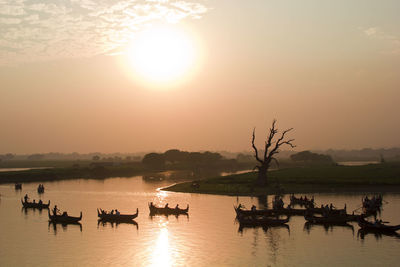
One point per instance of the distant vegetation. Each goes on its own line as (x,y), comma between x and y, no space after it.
(199,164)
(307,156)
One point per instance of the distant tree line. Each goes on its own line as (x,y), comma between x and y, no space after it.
(307,156)
(176,159)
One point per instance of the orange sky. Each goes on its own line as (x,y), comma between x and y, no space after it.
(330,70)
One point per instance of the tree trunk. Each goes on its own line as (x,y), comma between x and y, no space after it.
(262,176)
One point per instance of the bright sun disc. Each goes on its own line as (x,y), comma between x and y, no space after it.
(161,54)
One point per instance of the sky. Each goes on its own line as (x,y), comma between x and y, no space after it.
(69,82)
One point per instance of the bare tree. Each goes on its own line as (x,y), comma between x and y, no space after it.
(271,149)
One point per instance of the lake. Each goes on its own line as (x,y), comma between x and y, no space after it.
(210,236)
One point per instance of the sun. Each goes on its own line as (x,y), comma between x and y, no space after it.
(162,55)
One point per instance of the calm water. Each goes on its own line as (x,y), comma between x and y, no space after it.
(209,237)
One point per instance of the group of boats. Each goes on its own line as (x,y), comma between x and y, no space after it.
(327,214)
(113,216)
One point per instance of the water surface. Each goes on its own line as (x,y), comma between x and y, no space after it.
(208,237)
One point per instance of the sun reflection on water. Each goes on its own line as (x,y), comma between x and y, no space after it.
(161,255)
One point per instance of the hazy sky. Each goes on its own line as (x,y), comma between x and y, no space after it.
(330,69)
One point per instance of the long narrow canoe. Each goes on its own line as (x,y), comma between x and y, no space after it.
(262,221)
(269,212)
(167,210)
(329,219)
(116,218)
(64,218)
(366,225)
(35,205)
(300,201)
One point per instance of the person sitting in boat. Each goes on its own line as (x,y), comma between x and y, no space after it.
(331,206)
(55,210)
(34,201)
(112,212)
(177,206)
(65,214)
(305,198)
(240,206)
(26,197)
(40,202)
(253,208)
(151,204)
(166,206)
(117,212)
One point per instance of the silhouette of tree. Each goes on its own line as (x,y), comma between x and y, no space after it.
(154,161)
(270,150)
(310,156)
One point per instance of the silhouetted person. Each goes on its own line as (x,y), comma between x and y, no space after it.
(26,197)
(112,212)
(177,206)
(55,210)
(40,202)
(166,205)
(117,212)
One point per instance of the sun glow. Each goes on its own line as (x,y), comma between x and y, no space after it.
(162,54)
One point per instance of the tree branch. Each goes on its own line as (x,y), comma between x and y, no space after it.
(254,146)
(281,142)
(268,143)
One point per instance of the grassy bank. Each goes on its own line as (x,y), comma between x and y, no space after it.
(308,179)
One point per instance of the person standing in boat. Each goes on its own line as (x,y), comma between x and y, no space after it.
(55,210)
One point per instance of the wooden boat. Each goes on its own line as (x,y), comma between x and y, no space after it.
(167,210)
(64,218)
(301,201)
(378,234)
(18,186)
(116,218)
(35,205)
(332,219)
(40,189)
(377,226)
(261,221)
(240,212)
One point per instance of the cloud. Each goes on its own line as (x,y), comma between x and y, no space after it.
(371,31)
(41,30)
(389,40)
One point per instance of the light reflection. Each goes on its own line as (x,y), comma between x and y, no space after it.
(162,253)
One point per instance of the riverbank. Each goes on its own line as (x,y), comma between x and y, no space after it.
(308,179)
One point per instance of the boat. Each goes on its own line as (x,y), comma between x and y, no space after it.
(240,212)
(40,189)
(378,234)
(35,205)
(261,220)
(64,218)
(377,226)
(116,217)
(167,210)
(330,219)
(301,201)
(18,186)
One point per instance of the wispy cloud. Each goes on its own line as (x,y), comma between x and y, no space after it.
(39,30)
(391,40)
